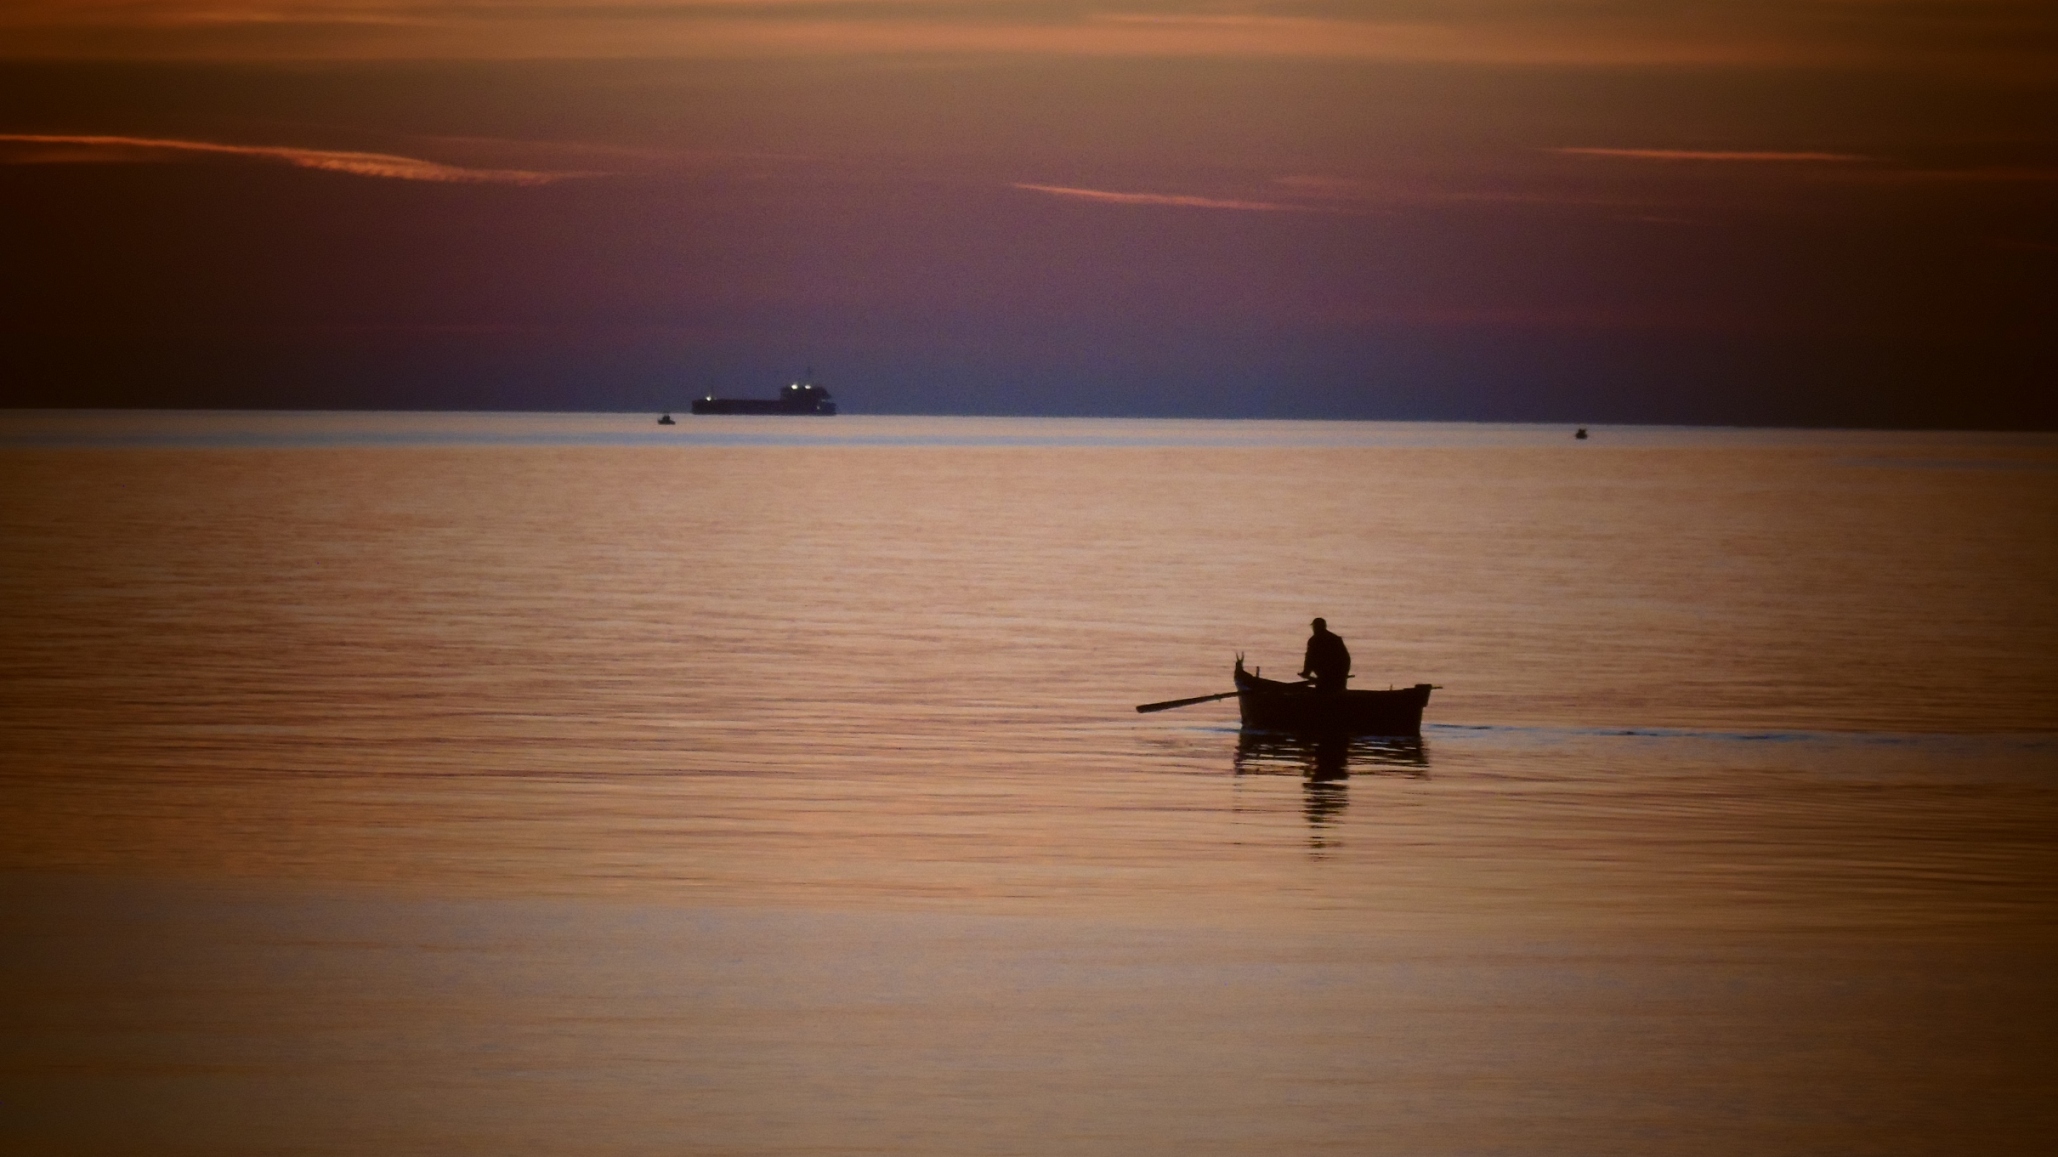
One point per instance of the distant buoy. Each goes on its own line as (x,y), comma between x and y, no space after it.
(667,421)
(1582,434)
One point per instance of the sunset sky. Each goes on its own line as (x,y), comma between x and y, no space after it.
(1810,212)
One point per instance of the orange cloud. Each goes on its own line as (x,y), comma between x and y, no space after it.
(1996,35)
(1710,155)
(1177,200)
(1988,174)
(1574,317)
(1369,195)
(41,148)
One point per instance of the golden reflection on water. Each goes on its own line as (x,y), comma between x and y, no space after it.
(906,672)
(1748,700)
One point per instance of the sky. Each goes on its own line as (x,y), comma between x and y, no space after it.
(1807,212)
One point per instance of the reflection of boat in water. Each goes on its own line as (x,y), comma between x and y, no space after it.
(1328,758)
(1269,705)
(1323,764)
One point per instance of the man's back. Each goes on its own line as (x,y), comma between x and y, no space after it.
(1327,661)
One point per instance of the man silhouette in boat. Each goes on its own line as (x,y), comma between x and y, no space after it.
(1328,661)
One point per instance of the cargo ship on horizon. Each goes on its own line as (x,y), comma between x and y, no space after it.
(801,397)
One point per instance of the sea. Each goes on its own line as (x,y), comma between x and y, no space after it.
(419,783)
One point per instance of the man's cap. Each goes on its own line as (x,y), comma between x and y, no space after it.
(1320,624)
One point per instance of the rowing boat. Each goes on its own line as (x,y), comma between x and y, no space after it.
(1269,705)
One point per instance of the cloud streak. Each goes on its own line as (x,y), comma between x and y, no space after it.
(1746,157)
(47,148)
(1985,39)
(1174,200)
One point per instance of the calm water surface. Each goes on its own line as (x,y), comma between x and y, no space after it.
(561,783)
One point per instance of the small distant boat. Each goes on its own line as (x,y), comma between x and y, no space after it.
(1581,435)
(666,420)
(801,397)
(1269,705)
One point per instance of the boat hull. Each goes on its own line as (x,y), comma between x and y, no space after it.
(1268,705)
(760,406)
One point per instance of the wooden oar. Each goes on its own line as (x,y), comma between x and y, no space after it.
(1168,704)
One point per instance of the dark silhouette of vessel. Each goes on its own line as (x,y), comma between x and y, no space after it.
(1269,705)
(801,397)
